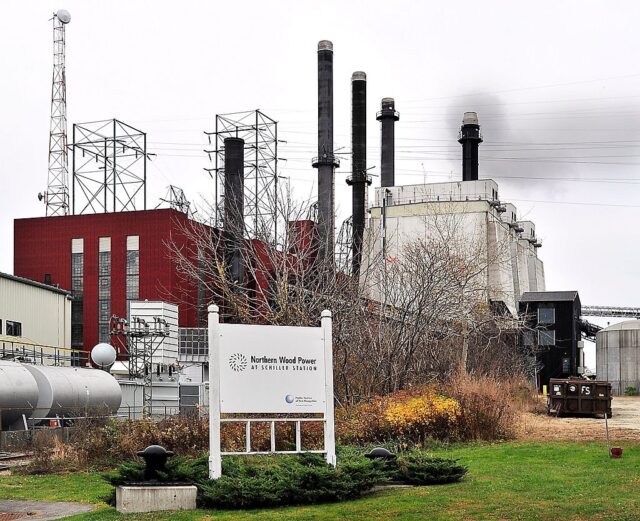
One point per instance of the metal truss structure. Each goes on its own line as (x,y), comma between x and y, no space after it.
(109,167)
(142,340)
(176,200)
(610,311)
(56,198)
(344,247)
(260,135)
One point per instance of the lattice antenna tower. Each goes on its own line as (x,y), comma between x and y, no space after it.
(260,134)
(56,198)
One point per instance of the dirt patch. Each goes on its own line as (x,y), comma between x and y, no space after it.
(624,425)
(39,510)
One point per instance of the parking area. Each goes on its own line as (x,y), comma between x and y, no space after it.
(624,424)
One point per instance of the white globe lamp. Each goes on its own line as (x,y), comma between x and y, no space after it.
(103,355)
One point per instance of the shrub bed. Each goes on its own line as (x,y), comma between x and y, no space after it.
(264,481)
(270,481)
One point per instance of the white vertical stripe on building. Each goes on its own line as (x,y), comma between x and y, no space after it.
(133,243)
(104,244)
(77,245)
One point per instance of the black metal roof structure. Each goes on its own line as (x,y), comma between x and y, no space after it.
(549,296)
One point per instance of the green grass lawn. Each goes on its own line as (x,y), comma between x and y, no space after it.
(508,481)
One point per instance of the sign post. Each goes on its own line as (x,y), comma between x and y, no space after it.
(215,458)
(270,370)
(329,426)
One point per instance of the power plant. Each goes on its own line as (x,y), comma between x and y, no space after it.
(106,260)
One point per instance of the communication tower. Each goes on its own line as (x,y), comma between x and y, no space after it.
(56,197)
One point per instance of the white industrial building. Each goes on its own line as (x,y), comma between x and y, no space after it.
(32,313)
(403,214)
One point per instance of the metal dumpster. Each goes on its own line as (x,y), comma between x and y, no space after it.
(578,396)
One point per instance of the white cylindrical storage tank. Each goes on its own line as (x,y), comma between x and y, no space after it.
(72,391)
(618,355)
(18,393)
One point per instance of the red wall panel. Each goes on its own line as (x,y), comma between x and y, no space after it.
(43,246)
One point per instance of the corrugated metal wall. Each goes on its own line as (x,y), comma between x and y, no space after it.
(45,315)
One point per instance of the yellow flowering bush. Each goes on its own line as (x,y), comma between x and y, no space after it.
(424,416)
(409,417)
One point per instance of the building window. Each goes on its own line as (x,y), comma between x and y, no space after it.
(77,292)
(14,328)
(0,327)
(546,338)
(193,341)
(546,315)
(133,270)
(104,289)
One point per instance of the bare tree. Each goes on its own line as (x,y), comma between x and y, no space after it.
(408,319)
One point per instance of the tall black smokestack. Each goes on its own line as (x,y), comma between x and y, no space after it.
(326,161)
(234,206)
(470,138)
(359,179)
(388,116)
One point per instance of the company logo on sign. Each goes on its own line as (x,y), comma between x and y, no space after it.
(289,398)
(238,362)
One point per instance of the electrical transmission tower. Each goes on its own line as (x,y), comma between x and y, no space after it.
(260,135)
(56,198)
(109,167)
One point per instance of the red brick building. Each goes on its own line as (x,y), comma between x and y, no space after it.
(107,259)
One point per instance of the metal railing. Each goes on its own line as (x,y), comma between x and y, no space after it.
(32,353)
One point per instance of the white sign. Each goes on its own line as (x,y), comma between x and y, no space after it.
(271,369)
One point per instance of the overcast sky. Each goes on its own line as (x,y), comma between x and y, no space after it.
(556,85)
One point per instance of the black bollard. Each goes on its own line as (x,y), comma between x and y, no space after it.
(155,458)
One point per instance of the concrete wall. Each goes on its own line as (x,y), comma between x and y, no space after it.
(469,209)
(45,315)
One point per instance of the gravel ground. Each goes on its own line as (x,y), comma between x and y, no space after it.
(624,425)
